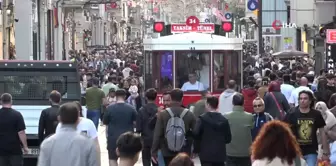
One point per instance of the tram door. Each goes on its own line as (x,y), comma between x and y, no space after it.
(226,66)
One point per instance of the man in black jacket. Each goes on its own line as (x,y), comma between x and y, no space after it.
(145,115)
(48,119)
(212,132)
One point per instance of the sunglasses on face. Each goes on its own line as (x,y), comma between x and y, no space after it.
(258,106)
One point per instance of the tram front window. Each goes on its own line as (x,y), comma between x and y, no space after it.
(192,70)
(226,67)
(160,71)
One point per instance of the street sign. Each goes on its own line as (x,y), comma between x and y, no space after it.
(331,36)
(252,5)
(228,16)
(330,65)
(192,21)
(202,28)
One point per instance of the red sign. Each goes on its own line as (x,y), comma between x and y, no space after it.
(277,24)
(331,36)
(192,21)
(183,28)
(188,98)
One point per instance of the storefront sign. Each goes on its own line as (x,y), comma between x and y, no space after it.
(183,28)
(330,65)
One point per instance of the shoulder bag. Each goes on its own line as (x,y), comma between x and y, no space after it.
(278,105)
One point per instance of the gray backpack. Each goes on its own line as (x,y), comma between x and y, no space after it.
(175,131)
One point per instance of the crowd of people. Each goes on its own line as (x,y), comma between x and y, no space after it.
(282,116)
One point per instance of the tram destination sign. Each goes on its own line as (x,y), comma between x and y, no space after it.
(183,28)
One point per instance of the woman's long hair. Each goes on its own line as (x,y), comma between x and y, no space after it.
(182,159)
(275,139)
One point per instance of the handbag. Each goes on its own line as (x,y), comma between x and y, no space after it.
(279,108)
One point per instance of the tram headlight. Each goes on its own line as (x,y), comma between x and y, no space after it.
(227,26)
(158,27)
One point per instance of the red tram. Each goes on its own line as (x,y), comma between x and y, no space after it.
(193,62)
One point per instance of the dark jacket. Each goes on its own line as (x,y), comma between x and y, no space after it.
(199,108)
(212,132)
(145,115)
(271,106)
(259,120)
(159,140)
(48,122)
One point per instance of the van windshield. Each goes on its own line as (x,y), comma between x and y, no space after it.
(37,85)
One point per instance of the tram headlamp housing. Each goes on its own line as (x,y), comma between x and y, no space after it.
(158,27)
(227,26)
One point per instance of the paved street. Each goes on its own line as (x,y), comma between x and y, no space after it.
(104,154)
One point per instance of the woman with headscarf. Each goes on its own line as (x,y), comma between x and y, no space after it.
(276,103)
(329,119)
(330,129)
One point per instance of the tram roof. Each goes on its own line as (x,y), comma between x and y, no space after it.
(198,41)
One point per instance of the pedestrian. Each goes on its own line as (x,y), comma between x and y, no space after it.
(276,146)
(145,114)
(85,127)
(264,87)
(305,121)
(12,134)
(111,98)
(199,107)
(241,123)
(68,147)
(109,85)
(165,129)
(293,100)
(249,94)
(119,118)
(182,159)
(329,119)
(260,116)
(286,87)
(225,99)
(95,98)
(332,104)
(48,118)
(322,93)
(128,148)
(212,132)
(276,103)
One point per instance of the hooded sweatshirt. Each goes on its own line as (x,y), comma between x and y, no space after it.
(249,95)
(212,133)
(225,101)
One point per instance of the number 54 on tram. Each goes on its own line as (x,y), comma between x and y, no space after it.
(193,62)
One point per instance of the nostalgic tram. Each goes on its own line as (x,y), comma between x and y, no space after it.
(193,62)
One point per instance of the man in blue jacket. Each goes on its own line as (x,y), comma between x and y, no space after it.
(260,117)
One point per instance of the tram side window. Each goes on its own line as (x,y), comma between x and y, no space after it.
(148,70)
(192,71)
(226,67)
(161,71)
